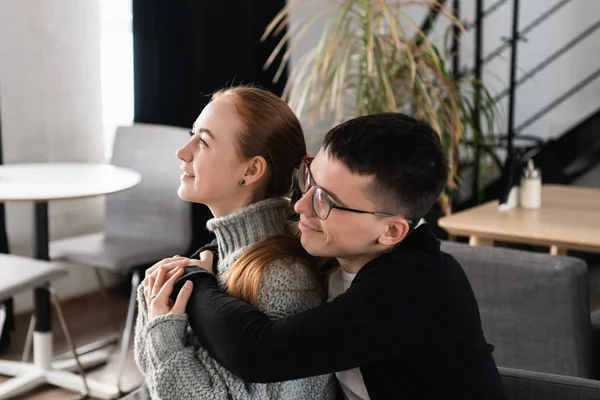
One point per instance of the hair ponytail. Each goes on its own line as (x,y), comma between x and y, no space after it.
(243,280)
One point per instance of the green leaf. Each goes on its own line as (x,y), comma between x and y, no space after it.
(367,53)
(383,77)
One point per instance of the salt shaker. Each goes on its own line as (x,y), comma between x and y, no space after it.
(531,187)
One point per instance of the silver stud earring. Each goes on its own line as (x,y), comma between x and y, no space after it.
(242,182)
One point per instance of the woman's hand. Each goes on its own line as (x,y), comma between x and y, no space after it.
(158,290)
(205,261)
(171,265)
(160,280)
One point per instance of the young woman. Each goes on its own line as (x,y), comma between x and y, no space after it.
(239,161)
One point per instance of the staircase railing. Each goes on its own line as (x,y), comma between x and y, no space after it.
(517,34)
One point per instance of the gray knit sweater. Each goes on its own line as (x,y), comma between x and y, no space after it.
(175,365)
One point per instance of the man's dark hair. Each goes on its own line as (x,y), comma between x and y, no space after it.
(404,155)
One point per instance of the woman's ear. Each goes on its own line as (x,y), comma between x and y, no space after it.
(256,168)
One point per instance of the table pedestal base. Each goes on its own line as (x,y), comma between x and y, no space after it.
(28,376)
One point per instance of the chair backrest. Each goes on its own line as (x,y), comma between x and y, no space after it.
(528,385)
(534,307)
(152,210)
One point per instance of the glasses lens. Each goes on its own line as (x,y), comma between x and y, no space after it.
(304,180)
(321,203)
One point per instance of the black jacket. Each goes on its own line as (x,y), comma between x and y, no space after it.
(409,320)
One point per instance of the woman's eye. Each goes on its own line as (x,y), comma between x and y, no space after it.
(201,141)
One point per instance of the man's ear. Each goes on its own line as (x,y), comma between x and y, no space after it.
(255,170)
(395,232)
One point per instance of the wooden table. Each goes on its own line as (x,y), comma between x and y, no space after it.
(569,219)
(40,184)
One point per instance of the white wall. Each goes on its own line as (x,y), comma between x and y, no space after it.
(302,12)
(116,43)
(51,111)
(548,37)
(556,79)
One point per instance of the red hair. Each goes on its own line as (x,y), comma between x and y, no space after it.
(271,130)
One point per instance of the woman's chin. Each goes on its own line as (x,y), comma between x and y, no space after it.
(187,193)
(184,193)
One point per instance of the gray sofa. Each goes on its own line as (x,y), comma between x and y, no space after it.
(534,308)
(528,385)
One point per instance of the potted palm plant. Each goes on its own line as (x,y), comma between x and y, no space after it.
(372,57)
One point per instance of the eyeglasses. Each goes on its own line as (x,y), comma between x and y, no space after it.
(321,200)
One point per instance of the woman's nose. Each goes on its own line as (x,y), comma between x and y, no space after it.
(184,154)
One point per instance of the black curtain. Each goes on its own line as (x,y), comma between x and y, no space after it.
(9,325)
(184,50)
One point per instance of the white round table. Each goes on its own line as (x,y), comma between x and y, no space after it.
(62,181)
(40,184)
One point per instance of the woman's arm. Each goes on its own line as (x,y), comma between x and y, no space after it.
(177,367)
(139,337)
(166,350)
(140,334)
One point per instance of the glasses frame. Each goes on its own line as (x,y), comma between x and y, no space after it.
(306,164)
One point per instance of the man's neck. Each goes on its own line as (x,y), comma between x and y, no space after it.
(354,264)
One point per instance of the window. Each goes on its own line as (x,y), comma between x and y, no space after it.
(116,67)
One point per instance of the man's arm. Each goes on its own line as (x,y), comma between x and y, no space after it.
(373,319)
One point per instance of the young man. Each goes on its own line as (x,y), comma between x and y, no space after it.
(402,321)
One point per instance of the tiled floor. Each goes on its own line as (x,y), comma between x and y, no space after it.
(88,321)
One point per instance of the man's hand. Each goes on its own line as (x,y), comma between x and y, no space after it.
(158,290)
